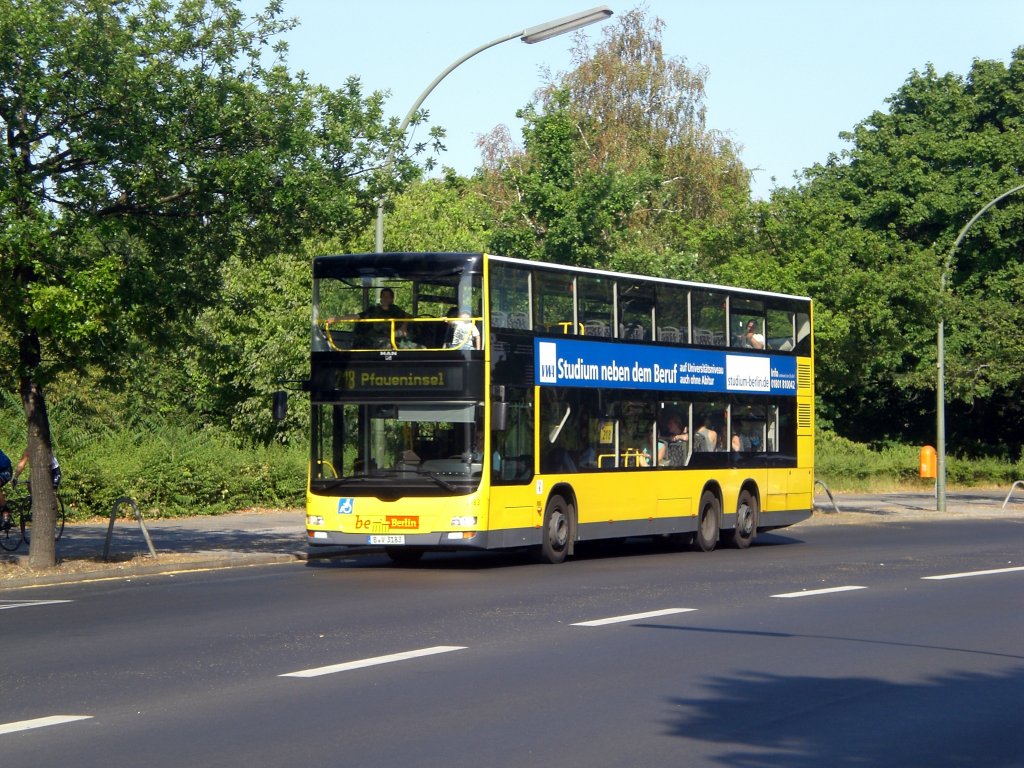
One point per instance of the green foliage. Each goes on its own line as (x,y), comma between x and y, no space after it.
(258,334)
(438,215)
(617,162)
(178,470)
(848,466)
(175,143)
(867,235)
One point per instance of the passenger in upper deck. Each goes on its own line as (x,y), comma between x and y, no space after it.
(752,338)
(377,334)
(464,333)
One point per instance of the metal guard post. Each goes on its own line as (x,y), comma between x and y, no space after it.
(138,516)
(827,491)
(1012,489)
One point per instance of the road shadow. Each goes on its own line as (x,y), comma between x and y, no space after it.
(763,720)
(586,551)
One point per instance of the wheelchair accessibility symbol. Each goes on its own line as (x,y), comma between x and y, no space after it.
(345,506)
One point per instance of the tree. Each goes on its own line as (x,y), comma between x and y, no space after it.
(617,161)
(145,143)
(866,234)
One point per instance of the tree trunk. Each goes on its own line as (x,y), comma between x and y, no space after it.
(42,551)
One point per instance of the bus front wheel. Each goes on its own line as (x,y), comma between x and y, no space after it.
(555,536)
(708,521)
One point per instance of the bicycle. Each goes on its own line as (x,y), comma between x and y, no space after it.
(19,527)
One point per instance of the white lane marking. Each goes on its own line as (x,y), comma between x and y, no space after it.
(973,573)
(40,722)
(813,592)
(631,617)
(350,665)
(27,603)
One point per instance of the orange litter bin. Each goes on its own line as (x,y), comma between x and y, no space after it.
(929,462)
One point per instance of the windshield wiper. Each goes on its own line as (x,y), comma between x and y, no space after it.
(440,481)
(326,485)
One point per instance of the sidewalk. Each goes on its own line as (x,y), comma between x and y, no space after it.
(278,536)
(188,543)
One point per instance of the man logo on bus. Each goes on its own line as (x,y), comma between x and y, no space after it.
(345,506)
(547,353)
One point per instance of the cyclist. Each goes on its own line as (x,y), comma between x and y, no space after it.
(54,468)
(5,477)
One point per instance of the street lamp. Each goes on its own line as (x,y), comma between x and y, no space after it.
(940,385)
(530,35)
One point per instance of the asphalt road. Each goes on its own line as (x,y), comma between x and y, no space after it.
(827,645)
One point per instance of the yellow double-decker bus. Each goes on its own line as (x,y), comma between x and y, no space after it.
(471,401)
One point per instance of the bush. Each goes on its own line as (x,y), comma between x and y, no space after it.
(175,471)
(848,466)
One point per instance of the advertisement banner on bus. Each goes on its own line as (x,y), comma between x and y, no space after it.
(573,363)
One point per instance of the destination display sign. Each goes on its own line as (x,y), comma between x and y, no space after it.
(394,379)
(575,363)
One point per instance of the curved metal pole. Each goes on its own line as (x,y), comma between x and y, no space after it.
(530,35)
(940,384)
(379,236)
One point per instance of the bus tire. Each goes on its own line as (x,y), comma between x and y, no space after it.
(708,516)
(557,532)
(746,521)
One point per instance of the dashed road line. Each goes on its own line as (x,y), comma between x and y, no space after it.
(631,617)
(815,592)
(40,722)
(28,603)
(361,663)
(968,574)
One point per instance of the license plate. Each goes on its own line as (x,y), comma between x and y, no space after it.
(392,539)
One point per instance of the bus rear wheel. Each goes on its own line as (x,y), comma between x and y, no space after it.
(746,521)
(708,516)
(556,534)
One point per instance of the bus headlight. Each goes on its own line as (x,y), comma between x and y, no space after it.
(463,522)
(313,521)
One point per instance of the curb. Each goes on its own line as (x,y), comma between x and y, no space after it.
(214,562)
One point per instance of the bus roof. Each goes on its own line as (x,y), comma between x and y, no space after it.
(651,278)
(444,262)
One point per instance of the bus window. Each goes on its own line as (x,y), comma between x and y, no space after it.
(510,297)
(553,309)
(672,313)
(637,434)
(803,333)
(709,318)
(749,430)
(594,296)
(636,302)
(746,323)
(709,434)
(673,434)
(512,447)
(780,330)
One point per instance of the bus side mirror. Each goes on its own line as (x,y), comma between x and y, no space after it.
(499,416)
(280,406)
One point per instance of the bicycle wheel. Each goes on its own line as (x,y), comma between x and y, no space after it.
(10,533)
(26,522)
(60,519)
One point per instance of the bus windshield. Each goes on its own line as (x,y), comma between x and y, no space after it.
(408,445)
(421,304)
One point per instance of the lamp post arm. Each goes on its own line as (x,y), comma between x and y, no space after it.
(940,384)
(530,35)
(379,234)
(458,62)
(963,232)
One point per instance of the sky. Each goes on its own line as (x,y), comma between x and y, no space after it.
(785,77)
